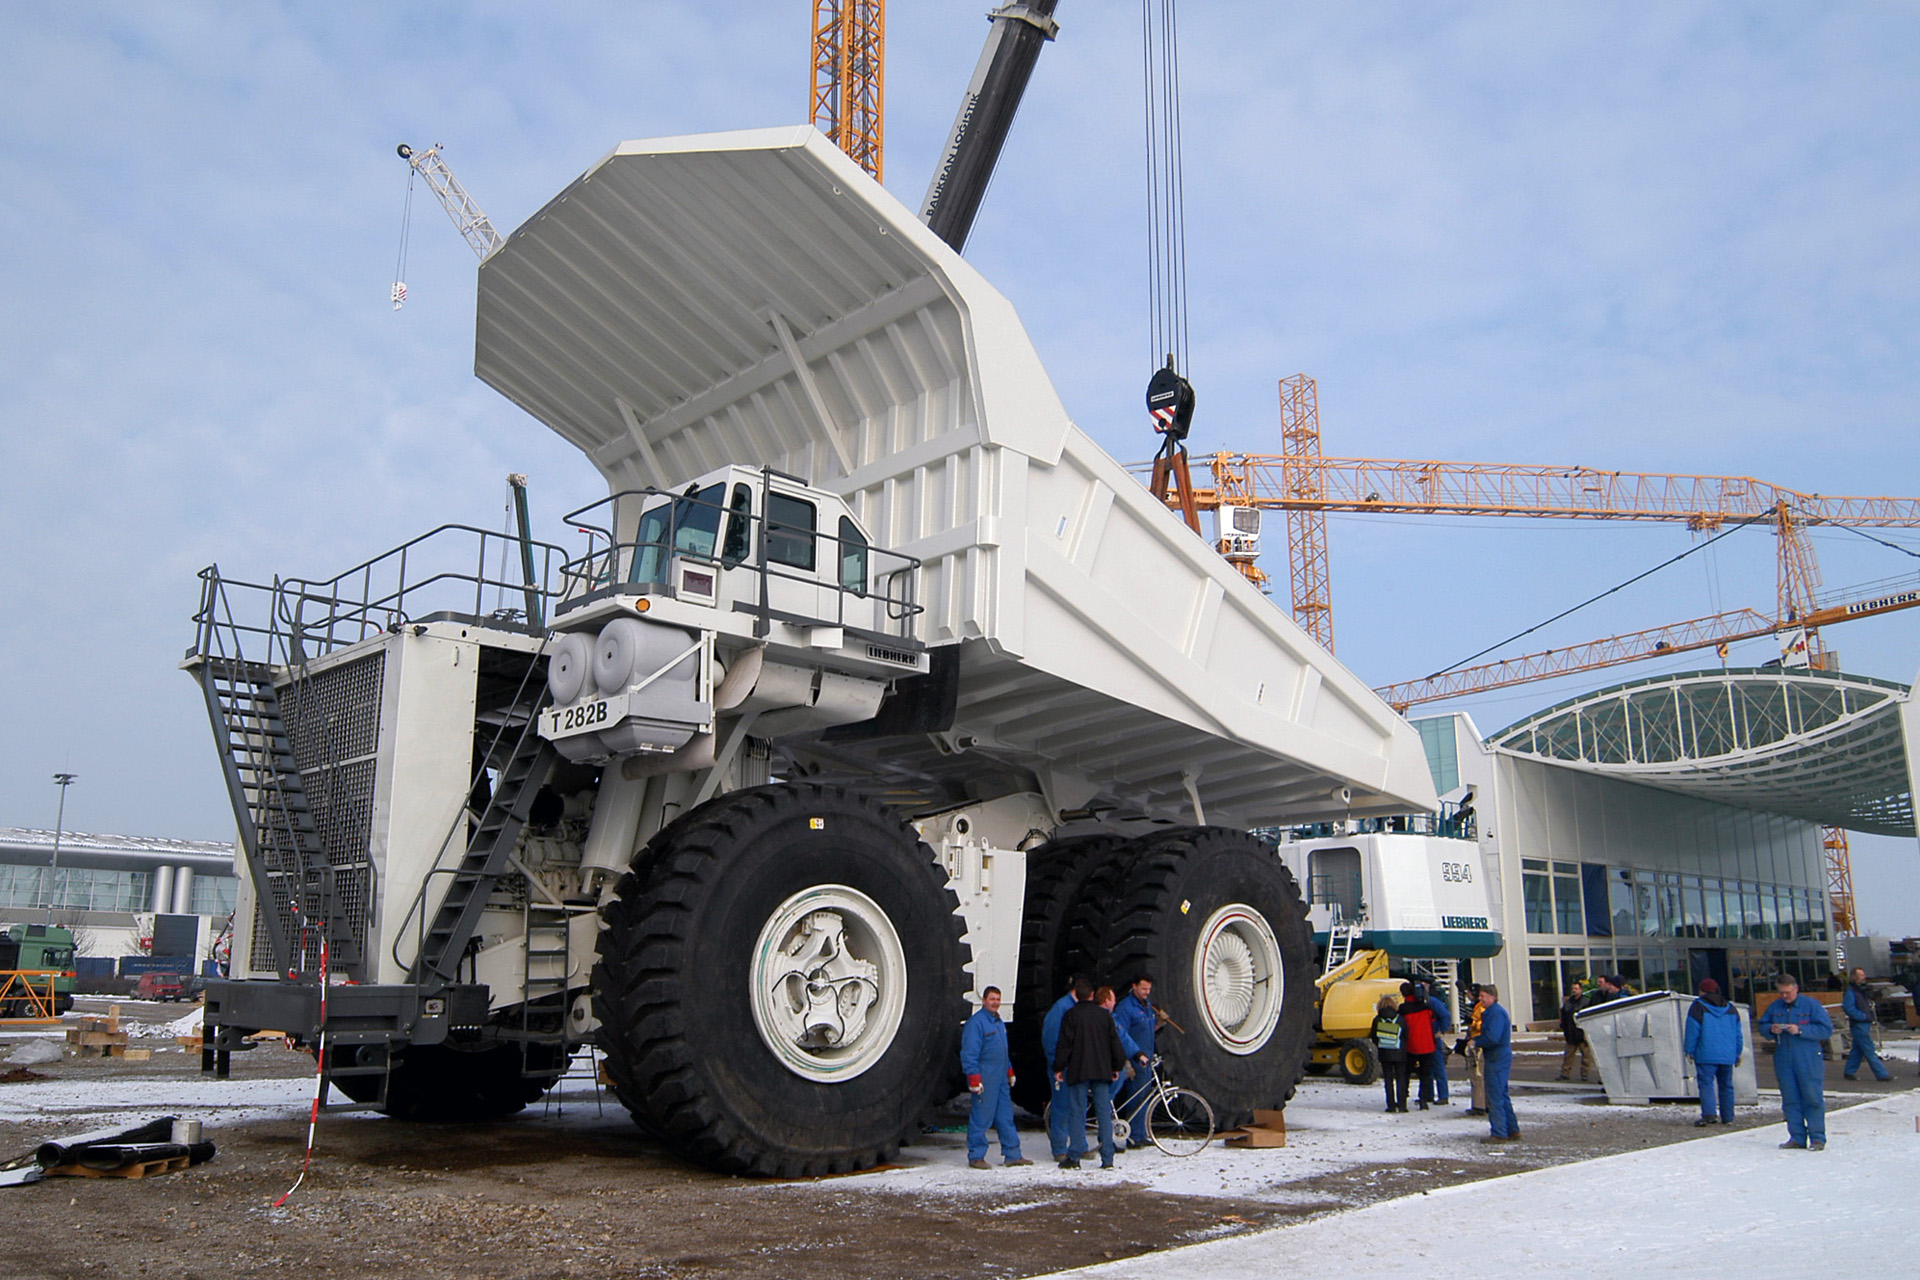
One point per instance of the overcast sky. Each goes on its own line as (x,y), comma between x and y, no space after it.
(1675,237)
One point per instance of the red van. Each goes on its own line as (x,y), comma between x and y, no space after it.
(161,986)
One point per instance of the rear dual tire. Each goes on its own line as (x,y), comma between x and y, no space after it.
(1215,918)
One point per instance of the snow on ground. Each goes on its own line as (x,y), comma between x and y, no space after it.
(1331,1127)
(92,1104)
(1708,1207)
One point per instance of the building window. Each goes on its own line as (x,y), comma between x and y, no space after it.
(213,895)
(1620,902)
(1714,916)
(1646,905)
(1567,907)
(1536,889)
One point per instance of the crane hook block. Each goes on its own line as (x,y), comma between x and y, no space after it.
(1170,402)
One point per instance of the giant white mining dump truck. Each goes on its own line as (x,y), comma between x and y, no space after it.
(875,682)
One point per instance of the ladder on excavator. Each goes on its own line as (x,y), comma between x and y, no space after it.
(1341,938)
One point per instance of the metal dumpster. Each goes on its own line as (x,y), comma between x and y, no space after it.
(1638,1041)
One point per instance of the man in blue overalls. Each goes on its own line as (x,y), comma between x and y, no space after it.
(989,1072)
(1495,1043)
(1861,1015)
(1135,1018)
(1798,1026)
(1057,1118)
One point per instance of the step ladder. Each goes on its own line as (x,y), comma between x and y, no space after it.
(381,1066)
(1341,937)
(284,851)
(489,852)
(544,973)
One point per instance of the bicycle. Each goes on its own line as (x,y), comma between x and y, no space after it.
(1179,1121)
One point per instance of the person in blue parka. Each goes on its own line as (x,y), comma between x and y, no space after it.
(1058,1130)
(989,1072)
(1861,1012)
(1495,1043)
(1797,1025)
(1442,1025)
(1135,1017)
(1715,1044)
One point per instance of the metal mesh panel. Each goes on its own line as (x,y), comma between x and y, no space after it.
(332,721)
(334,715)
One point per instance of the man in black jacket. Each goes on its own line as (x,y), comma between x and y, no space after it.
(1577,1046)
(1086,1062)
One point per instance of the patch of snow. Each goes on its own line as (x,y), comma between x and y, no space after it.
(1691,1208)
(35,1052)
(1331,1127)
(217,1102)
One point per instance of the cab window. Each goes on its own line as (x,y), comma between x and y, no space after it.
(790,529)
(738,544)
(853,557)
(691,522)
(696,519)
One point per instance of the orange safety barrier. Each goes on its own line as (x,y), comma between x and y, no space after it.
(27,995)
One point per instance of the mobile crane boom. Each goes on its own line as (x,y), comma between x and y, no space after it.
(468,218)
(986,115)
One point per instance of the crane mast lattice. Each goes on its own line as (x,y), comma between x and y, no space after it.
(847,97)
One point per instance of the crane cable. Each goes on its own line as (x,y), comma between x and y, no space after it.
(1617,587)
(399,295)
(1166,198)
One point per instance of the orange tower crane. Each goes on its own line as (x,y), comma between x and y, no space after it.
(1306,485)
(847,97)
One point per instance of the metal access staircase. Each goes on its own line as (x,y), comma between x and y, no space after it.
(489,853)
(286,856)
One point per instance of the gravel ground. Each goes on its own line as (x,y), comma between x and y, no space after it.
(574,1191)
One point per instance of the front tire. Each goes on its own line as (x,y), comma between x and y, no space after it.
(781,983)
(1359,1062)
(1216,919)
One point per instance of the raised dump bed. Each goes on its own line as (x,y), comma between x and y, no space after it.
(755,297)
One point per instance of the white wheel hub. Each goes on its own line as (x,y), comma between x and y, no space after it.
(828,983)
(1237,973)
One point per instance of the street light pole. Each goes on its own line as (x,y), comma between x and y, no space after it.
(65,780)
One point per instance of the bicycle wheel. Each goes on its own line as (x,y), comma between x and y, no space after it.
(1180,1122)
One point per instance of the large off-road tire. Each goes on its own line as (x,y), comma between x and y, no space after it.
(444,1084)
(781,983)
(1070,885)
(1216,919)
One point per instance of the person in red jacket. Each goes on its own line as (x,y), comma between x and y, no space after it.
(1417,1018)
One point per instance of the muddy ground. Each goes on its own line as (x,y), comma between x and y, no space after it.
(580,1194)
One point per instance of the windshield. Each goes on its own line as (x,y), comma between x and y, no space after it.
(691,523)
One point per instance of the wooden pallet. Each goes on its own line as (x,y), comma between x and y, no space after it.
(142,1169)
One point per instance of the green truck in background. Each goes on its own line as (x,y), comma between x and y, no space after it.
(35,948)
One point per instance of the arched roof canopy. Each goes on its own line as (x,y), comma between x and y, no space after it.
(1824,746)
